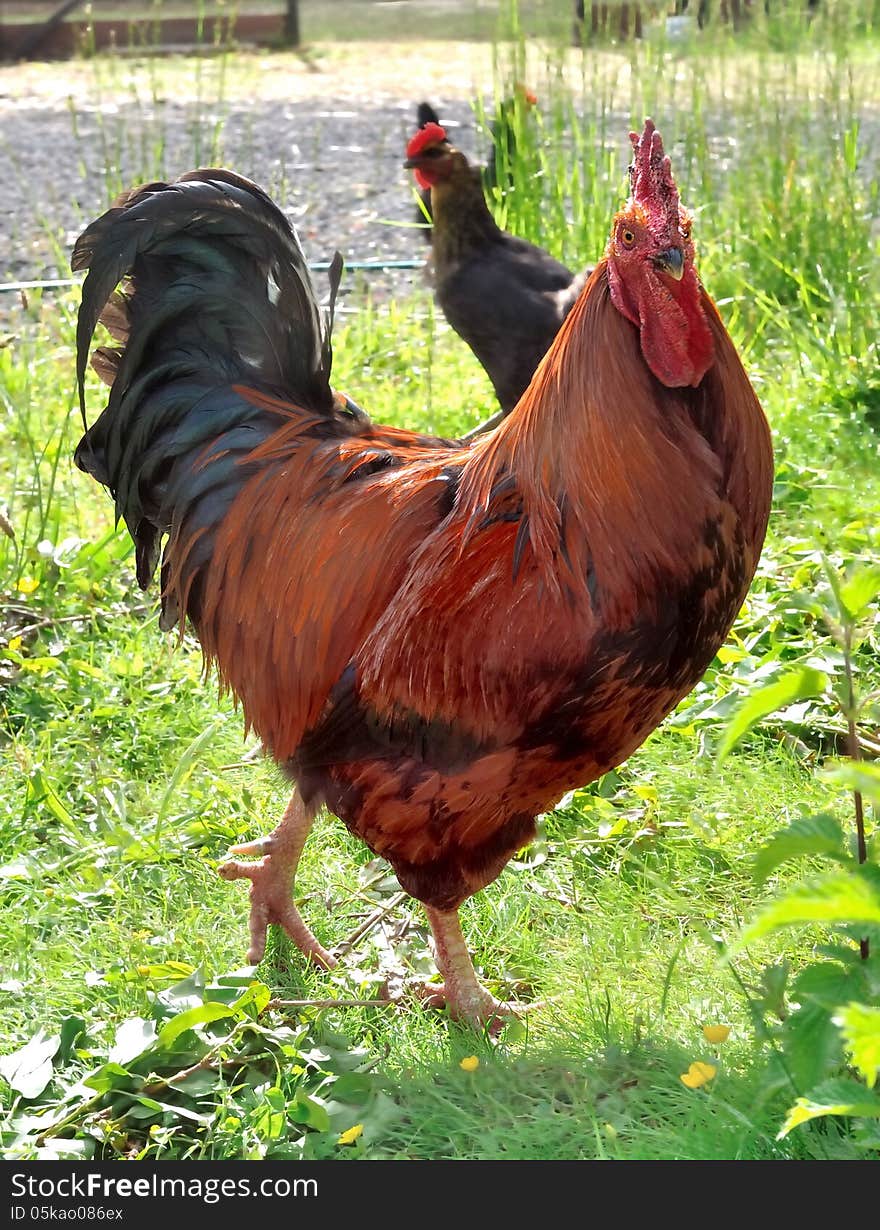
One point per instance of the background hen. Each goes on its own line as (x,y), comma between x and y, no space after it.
(435,641)
(502,295)
(499,167)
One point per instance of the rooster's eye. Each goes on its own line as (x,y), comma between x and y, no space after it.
(628,237)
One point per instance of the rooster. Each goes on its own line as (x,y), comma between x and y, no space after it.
(502,130)
(434,641)
(501,294)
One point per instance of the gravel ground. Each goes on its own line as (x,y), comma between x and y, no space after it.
(326,142)
(324,133)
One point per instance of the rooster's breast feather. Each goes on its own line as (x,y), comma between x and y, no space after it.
(313,549)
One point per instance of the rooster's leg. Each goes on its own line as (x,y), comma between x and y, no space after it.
(272,884)
(465,999)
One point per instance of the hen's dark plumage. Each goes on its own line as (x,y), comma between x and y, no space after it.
(502,295)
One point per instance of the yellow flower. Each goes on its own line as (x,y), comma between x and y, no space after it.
(49,892)
(469,1064)
(350,1135)
(15,643)
(27,585)
(716,1033)
(698,1074)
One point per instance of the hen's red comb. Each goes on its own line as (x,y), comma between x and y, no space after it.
(650,174)
(430,134)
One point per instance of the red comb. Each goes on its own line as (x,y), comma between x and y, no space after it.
(431,134)
(650,174)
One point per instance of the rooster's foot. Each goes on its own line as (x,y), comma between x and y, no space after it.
(271,880)
(460,992)
(476,1007)
(271,902)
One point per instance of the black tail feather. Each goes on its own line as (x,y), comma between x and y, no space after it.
(215,295)
(425,114)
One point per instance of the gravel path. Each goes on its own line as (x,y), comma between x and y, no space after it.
(327,143)
(324,133)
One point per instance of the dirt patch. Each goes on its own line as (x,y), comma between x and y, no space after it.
(324,133)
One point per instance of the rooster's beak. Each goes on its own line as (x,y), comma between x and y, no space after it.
(671,261)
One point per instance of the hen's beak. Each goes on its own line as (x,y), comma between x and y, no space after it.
(671,261)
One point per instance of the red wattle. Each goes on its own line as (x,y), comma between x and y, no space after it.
(675,339)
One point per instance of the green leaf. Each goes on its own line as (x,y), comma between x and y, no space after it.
(189,993)
(192,1017)
(382,1112)
(311,1111)
(40,791)
(860,1026)
(107,1077)
(86,668)
(182,770)
(254,999)
(197,1083)
(839,897)
(860,590)
(242,977)
(72,1027)
(772,990)
(29,1069)
(128,667)
(164,970)
(819,834)
(835,584)
(831,983)
(857,775)
(268,1118)
(133,1037)
(796,685)
(841,1097)
(147,1108)
(354,1087)
(143,1108)
(812,1045)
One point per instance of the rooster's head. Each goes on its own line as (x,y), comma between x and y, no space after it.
(430,156)
(650,257)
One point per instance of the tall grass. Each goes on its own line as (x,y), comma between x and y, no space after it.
(769,151)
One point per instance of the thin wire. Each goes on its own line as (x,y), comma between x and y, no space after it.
(317,266)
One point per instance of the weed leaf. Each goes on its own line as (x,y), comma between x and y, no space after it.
(860,1025)
(839,1097)
(839,897)
(29,1070)
(799,684)
(810,835)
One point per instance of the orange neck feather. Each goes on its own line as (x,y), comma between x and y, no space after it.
(610,463)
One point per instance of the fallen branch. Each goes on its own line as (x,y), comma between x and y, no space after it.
(369,923)
(328,1003)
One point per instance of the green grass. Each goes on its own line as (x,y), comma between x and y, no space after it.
(123,779)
